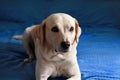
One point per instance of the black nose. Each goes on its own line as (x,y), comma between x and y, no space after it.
(65,44)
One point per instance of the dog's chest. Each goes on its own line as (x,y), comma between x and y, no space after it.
(59,69)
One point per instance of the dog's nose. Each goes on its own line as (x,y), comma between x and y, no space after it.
(65,44)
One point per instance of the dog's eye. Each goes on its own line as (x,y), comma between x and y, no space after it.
(71,29)
(55,29)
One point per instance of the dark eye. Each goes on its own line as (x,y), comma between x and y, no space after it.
(71,29)
(55,29)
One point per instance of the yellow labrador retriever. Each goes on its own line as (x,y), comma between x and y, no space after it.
(53,43)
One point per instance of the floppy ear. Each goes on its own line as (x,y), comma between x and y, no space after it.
(39,33)
(77,31)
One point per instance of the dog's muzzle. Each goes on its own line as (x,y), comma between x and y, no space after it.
(65,46)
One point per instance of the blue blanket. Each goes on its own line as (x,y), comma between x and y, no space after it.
(98,53)
(99,45)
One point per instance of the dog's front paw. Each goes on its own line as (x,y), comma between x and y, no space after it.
(77,77)
(73,79)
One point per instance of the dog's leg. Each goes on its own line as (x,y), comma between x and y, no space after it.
(75,77)
(27,42)
(43,69)
(30,49)
(73,71)
(42,72)
(28,45)
(30,57)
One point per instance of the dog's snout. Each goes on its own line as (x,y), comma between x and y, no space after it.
(65,44)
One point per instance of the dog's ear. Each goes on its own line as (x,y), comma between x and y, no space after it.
(77,31)
(39,33)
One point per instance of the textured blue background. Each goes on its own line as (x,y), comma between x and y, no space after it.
(99,45)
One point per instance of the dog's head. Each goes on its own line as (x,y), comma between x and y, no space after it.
(60,32)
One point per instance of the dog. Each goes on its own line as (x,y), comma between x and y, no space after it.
(53,43)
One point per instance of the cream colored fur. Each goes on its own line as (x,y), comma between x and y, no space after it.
(45,44)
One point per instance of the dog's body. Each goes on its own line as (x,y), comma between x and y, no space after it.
(54,43)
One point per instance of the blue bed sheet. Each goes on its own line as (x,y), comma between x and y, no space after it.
(98,53)
(99,45)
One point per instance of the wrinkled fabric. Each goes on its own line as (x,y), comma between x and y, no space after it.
(99,45)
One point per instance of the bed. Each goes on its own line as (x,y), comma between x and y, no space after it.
(99,45)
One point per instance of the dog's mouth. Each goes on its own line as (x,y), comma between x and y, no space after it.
(62,51)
